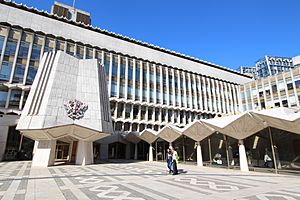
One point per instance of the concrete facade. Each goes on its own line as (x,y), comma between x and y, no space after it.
(60,79)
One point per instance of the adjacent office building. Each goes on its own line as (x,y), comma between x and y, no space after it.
(272,65)
(281,90)
(248,70)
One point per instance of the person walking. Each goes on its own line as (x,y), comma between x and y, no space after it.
(175,159)
(169,160)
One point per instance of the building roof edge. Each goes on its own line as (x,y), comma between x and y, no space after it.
(118,36)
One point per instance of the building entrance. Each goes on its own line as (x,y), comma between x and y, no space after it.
(62,150)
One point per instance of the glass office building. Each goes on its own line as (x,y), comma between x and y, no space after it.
(272,65)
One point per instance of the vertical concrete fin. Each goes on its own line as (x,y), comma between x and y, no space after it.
(44,83)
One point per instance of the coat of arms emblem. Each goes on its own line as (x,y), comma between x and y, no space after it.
(75,109)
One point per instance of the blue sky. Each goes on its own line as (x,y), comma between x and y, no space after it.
(226,32)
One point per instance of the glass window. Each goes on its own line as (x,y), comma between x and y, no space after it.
(3,96)
(22,57)
(114,76)
(15,97)
(79,51)
(127,111)
(49,44)
(60,45)
(122,77)
(150,113)
(106,64)
(3,34)
(137,81)
(89,53)
(70,48)
(34,59)
(9,55)
(130,79)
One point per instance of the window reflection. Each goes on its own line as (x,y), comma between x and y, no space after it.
(34,59)
(15,97)
(9,55)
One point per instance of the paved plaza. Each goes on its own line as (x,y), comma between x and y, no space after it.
(140,180)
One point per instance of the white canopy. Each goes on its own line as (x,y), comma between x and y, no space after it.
(169,133)
(197,130)
(133,137)
(149,135)
(237,126)
(281,118)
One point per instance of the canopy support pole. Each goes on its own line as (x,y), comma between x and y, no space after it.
(183,148)
(150,153)
(243,157)
(209,151)
(135,151)
(273,151)
(199,155)
(227,153)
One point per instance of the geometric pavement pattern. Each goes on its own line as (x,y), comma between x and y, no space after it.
(139,181)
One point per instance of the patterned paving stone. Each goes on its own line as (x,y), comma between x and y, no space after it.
(141,180)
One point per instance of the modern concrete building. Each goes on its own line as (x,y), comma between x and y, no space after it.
(149,89)
(148,86)
(272,65)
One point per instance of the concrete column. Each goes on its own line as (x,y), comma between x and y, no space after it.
(243,157)
(84,155)
(103,151)
(136,152)
(199,155)
(70,151)
(44,154)
(3,140)
(150,153)
(127,154)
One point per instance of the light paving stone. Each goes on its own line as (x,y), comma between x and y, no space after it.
(142,180)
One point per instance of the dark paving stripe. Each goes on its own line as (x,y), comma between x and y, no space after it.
(118,191)
(59,182)
(69,195)
(19,197)
(23,184)
(154,191)
(170,182)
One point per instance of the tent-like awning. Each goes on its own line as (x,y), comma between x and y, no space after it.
(198,131)
(169,133)
(133,137)
(237,126)
(281,118)
(148,135)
